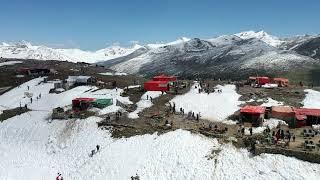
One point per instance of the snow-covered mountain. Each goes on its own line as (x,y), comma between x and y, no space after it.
(242,53)
(308,45)
(228,55)
(263,36)
(25,50)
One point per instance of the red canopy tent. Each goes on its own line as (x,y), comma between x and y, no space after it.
(253,109)
(156,85)
(262,80)
(164,78)
(253,114)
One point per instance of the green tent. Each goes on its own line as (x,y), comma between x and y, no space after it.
(102,103)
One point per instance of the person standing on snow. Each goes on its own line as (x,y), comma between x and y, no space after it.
(58,177)
(250,129)
(98,148)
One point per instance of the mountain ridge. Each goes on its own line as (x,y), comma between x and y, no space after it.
(242,53)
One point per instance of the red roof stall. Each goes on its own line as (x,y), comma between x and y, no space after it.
(81,103)
(253,109)
(285,113)
(306,116)
(156,86)
(282,82)
(262,80)
(253,114)
(165,78)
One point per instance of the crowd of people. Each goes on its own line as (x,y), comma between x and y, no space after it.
(205,87)
(281,134)
(190,114)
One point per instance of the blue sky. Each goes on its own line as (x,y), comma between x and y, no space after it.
(96,24)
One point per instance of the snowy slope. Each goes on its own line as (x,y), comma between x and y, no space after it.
(278,61)
(16,96)
(261,35)
(159,45)
(213,106)
(223,56)
(312,99)
(31,148)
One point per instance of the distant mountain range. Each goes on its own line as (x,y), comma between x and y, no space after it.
(25,50)
(225,56)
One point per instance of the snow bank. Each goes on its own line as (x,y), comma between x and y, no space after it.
(273,123)
(144,103)
(270,86)
(230,122)
(312,99)
(271,102)
(316,126)
(9,63)
(213,106)
(255,130)
(134,86)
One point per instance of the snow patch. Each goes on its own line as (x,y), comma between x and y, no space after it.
(113,74)
(271,102)
(144,103)
(269,86)
(273,123)
(213,106)
(312,99)
(9,63)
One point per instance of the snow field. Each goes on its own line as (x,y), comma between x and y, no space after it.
(48,101)
(38,150)
(312,99)
(214,107)
(31,148)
